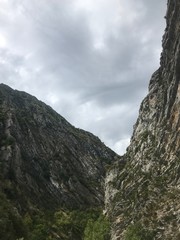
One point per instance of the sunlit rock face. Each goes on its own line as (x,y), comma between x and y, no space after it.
(45,161)
(147,188)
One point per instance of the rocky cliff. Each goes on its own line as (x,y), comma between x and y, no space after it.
(47,164)
(143,189)
(45,161)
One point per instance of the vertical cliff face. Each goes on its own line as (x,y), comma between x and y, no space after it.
(144,194)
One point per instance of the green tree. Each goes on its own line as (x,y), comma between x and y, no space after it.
(11,224)
(138,232)
(98,229)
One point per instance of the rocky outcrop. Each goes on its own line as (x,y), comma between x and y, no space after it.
(44,160)
(143,196)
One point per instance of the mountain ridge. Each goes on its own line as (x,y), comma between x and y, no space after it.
(40,148)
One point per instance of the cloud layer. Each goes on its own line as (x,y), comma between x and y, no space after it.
(90,60)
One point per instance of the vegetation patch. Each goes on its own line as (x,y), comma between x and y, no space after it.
(63,224)
(138,232)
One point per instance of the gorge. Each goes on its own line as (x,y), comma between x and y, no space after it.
(60,182)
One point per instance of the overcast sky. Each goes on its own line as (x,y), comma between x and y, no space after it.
(91,60)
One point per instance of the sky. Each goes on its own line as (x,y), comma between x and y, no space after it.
(90,60)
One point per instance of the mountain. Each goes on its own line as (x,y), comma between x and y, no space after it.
(45,163)
(143,193)
(55,178)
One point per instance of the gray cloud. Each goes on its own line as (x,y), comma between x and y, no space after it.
(90,60)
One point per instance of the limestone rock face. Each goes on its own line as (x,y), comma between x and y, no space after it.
(147,188)
(44,160)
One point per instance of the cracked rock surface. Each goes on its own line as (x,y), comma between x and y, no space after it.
(146,191)
(48,162)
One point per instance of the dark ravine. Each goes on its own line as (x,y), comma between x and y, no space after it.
(46,159)
(142,196)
